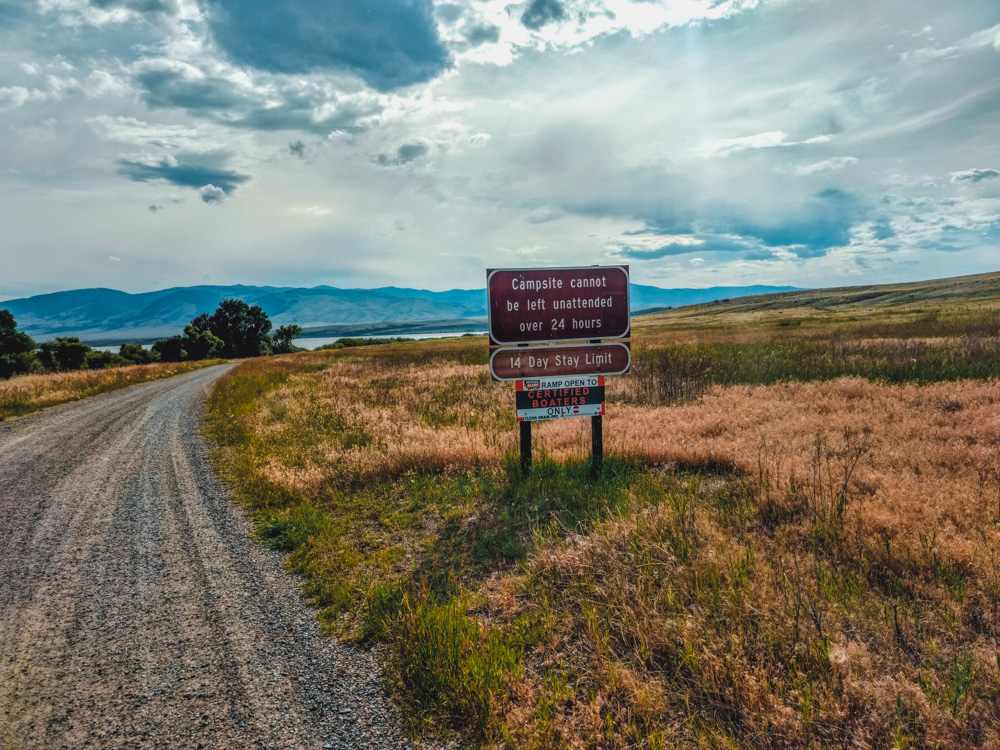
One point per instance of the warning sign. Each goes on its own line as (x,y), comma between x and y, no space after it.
(542,305)
(556,398)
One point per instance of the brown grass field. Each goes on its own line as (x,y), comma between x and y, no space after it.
(795,543)
(27,393)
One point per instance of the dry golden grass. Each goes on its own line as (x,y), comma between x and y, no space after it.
(27,393)
(383,418)
(792,565)
(871,623)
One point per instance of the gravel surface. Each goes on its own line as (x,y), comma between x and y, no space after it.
(134,610)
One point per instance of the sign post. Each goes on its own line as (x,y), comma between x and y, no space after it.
(525,448)
(596,446)
(549,331)
(597,438)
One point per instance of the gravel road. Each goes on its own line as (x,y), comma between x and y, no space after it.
(135,612)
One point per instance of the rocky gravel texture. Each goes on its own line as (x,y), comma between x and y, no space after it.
(134,610)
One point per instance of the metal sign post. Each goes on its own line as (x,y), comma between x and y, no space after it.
(525,448)
(597,438)
(596,446)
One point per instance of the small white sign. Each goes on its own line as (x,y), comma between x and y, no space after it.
(570,381)
(558,412)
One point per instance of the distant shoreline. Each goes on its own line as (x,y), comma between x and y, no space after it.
(397,328)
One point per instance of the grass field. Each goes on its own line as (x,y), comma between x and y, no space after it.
(795,543)
(27,393)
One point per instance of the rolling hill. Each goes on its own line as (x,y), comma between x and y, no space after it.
(916,296)
(107,316)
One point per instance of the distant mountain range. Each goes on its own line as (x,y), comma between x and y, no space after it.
(107,316)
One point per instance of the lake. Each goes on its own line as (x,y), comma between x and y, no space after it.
(315,343)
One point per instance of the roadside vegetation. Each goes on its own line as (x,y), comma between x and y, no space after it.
(347,341)
(795,543)
(235,329)
(29,393)
(35,376)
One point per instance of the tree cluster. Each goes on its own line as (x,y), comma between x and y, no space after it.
(234,330)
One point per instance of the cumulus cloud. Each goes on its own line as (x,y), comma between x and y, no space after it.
(641,247)
(153,209)
(297,148)
(827,165)
(101,83)
(448,12)
(172,83)
(821,223)
(282,104)
(479,140)
(542,12)
(13,96)
(481,33)
(654,251)
(974,175)
(771,139)
(405,154)
(187,170)
(136,132)
(140,6)
(212,194)
(387,43)
(310,211)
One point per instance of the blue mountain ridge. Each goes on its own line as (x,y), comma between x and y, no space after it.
(111,316)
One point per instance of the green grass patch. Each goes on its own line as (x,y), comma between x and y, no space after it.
(678,373)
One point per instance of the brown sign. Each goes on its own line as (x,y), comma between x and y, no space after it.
(541,305)
(519,363)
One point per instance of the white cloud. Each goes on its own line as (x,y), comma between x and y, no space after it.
(101,83)
(137,132)
(827,165)
(16,96)
(772,139)
(310,211)
(974,175)
(212,194)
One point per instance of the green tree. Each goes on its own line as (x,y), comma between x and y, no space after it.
(283,338)
(98,360)
(202,323)
(170,350)
(136,355)
(64,354)
(17,349)
(200,343)
(243,329)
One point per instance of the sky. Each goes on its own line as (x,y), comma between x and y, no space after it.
(146,144)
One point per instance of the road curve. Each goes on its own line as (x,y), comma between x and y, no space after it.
(135,612)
